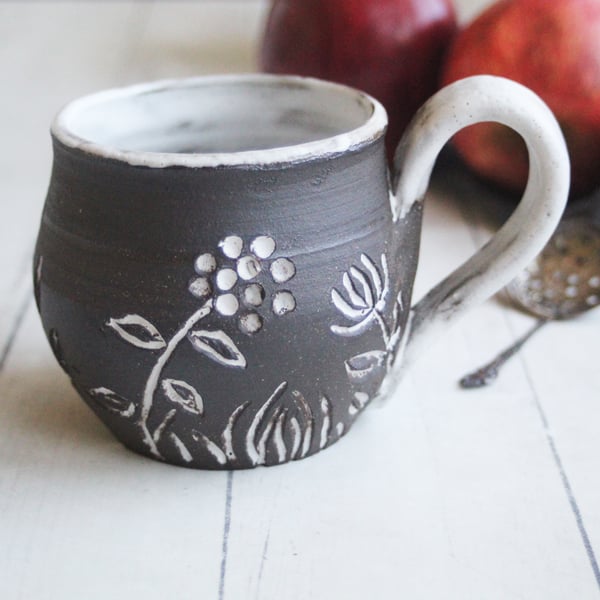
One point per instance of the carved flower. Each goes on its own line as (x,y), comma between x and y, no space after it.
(366,290)
(232,281)
(365,301)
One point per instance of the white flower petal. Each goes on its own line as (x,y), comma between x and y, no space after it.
(231,246)
(359,276)
(348,311)
(262,246)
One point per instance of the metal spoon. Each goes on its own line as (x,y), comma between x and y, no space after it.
(563,282)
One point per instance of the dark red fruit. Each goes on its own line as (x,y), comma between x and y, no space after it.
(391,49)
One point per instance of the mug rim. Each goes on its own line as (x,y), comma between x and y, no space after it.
(371,129)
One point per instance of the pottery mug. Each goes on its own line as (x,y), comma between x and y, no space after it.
(225,265)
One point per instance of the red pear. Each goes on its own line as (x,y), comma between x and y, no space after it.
(552,47)
(391,49)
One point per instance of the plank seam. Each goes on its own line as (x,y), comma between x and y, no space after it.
(566,484)
(226,530)
(16,326)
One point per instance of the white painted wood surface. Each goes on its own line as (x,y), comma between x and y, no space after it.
(492,494)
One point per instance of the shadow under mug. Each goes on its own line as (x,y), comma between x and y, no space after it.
(225,265)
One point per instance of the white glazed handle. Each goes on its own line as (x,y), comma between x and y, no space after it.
(466,102)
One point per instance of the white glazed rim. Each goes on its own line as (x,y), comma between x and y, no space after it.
(372,128)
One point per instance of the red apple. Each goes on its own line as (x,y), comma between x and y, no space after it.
(553,47)
(391,49)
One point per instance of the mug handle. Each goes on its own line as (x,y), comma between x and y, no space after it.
(463,103)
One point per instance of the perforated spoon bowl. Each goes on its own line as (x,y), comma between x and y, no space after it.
(563,282)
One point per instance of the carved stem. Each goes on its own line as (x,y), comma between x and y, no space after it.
(155,374)
(384,329)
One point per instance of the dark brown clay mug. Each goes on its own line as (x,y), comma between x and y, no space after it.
(224,267)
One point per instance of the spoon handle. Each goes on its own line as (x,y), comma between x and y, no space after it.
(488,373)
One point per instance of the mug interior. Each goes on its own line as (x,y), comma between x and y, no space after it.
(217,116)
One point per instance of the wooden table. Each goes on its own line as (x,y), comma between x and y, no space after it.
(439,494)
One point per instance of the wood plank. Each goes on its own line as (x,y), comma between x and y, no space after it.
(562,369)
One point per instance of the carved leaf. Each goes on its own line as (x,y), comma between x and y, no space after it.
(360,401)
(278,438)
(261,446)
(253,448)
(227,436)
(216,452)
(184,394)
(181,448)
(112,401)
(138,331)
(326,424)
(362,366)
(296,437)
(308,422)
(218,346)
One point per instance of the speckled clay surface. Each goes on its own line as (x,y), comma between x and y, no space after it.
(238,307)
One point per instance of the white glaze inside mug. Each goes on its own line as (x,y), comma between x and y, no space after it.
(221,120)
